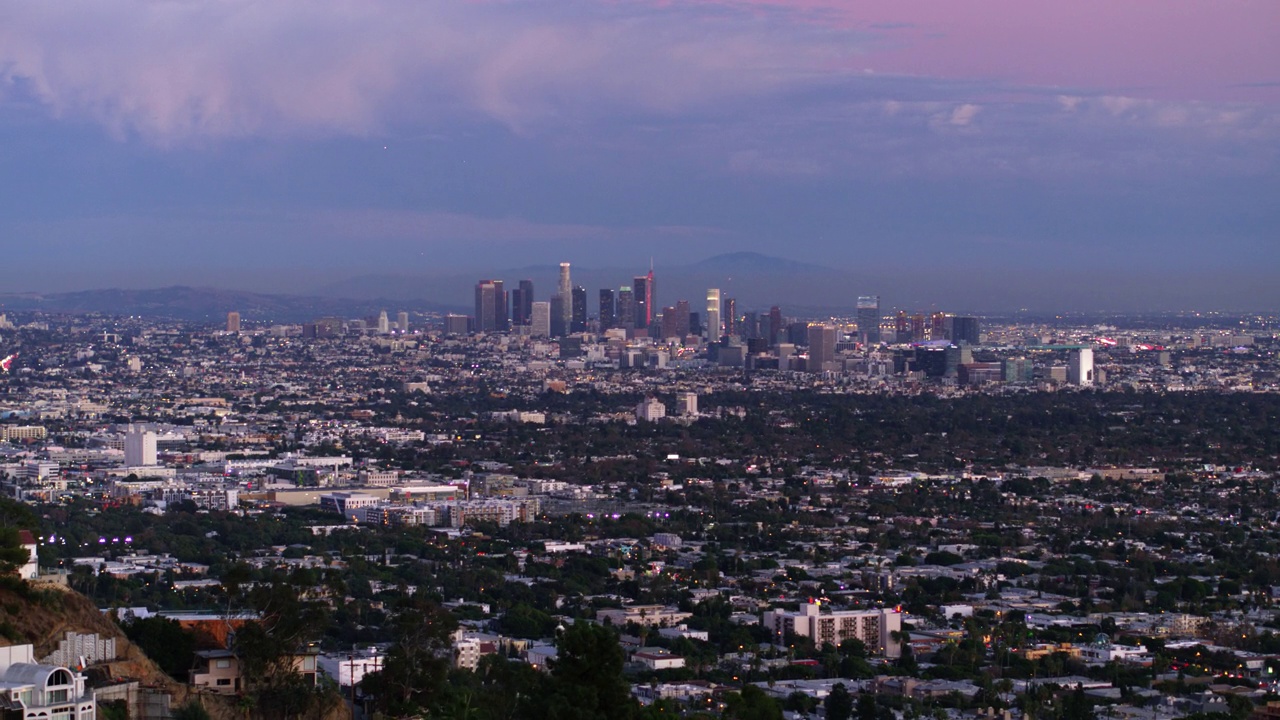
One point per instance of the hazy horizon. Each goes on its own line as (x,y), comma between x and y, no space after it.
(991,155)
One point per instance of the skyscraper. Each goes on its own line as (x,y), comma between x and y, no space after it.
(233,322)
(713,314)
(522,303)
(384,323)
(683,320)
(402,321)
(938,326)
(869,319)
(608,313)
(540,319)
(729,316)
(775,324)
(578,315)
(643,299)
(965,330)
(566,293)
(491,306)
(1080,368)
(626,307)
(559,318)
(822,346)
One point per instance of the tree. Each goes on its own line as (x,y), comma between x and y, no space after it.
(417,665)
(752,704)
(164,641)
(587,682)
(839,703)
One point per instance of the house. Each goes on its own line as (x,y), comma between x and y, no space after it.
(29,690)
(29,570)
(657,659)
(220,671)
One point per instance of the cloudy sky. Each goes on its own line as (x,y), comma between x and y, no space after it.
(1129,149)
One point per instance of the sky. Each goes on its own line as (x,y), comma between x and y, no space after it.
(1089,154)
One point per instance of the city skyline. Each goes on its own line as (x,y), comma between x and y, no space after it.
(1097,156)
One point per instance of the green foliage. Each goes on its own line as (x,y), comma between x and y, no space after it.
(751,704)
(839,703)
(165,642)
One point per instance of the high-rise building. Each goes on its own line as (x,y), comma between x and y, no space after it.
(566,294)
(491,306)
(965,330)
(578,316)
(869,319)
(775,324)
(1080,368)
(559,318)
(139,447)
(642,299)
(938,326)
(749,328)
(713,314)
(729,316)
(457,324)
(384,323)
(918,328)
(402,321)
(540,319)
(608,312)
(626,307)
(668,324)
(233,322)
(683,321)
(822,346)
(522,303)
(902,327)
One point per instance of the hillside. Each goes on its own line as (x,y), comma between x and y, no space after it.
(43,615)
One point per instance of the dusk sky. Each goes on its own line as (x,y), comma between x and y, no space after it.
(1127,150)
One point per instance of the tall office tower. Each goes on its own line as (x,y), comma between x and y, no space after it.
(457,324)
(775,324)
(822,346)
(917,328)
(566,294)
(233,321)
(668,323)
(608,312)
(522,303)
(750,326)
(1080,368)
(695,324)
(402,321)
(938,326)
(559,323)
(518,316)
(713,314)
(502,313)
(491,304)
(729,316)
(384,323)
(578,317)
(626,308)
(683,322)
(540,319)
(642,300)
(965,330)
(869,319)
(139,447)
(902,327)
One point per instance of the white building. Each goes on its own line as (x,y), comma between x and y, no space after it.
(31,568)
(1080,369)
(687,404)
(384,323)
(874,628)
(540,321)
(139,447)
(713,314)
(32,691)
(651,410)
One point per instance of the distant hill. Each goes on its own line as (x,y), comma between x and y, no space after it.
(181,302)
